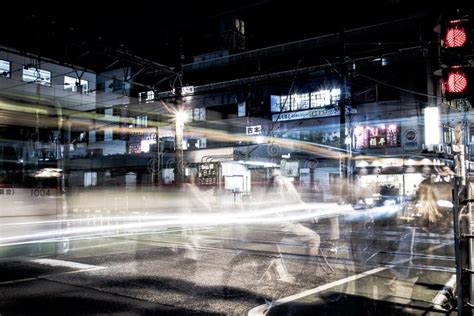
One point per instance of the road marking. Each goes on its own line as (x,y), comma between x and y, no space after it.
(262,309)
(63,263)
(56,263)
(17,281)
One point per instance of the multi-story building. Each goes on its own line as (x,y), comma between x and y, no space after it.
(289,97)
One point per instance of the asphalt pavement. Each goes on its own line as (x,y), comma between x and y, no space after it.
(228,271)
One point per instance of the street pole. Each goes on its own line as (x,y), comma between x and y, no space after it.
(462,198)
(343,161)
(179,131)
(179,119)
(157,164)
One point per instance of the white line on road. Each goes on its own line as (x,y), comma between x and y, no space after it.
(261,310)
(81,267)
(62,263)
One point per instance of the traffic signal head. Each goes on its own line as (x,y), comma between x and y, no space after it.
(456,82)
(455,34)
(455,41)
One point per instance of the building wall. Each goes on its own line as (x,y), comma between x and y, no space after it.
(54,94)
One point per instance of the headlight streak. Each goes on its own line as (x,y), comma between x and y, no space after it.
(280,215)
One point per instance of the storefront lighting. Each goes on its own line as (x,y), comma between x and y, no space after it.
(431,126)
(362,164)
(48,173)
(426,162)
(409,162)
(376,163)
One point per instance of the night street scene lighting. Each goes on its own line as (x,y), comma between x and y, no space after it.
(252,157)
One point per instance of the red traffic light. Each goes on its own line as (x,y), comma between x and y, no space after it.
(455,41)
(456,82)
(455,34)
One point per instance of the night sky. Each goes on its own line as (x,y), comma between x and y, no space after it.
(159,30)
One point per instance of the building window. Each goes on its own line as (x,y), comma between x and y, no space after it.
(447,134)
(279,103)
(90,179)
(199,114)
(335,96)
(76,85)
(5,67)
(147,97)
(383,61)
(241,109)
(40,76)
(141,121)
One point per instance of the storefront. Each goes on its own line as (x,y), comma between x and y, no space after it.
(404,174)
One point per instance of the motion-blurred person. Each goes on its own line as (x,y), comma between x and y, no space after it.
(283,192)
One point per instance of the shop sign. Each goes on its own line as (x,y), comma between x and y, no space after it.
(376,136)
(253,130)
(308,114)
(377,141)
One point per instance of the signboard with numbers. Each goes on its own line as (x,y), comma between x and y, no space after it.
(28,201)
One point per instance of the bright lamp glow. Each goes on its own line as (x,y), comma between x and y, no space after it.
(431,126)
(181,117)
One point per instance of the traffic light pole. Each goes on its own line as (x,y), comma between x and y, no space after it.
(462,198)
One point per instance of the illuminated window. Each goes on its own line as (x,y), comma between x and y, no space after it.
(199,114)
(40,76)
(5,68)
(335,96)
(142,121)
(75,85)
(90,179)
(241,109)
(147,97)
(280,103)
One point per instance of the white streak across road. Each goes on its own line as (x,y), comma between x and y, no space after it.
(270,215)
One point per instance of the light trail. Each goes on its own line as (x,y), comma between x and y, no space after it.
(283,214)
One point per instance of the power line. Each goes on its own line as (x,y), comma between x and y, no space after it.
(399,88)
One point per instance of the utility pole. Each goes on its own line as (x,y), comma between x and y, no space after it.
(157,161)
(343,159)
(179,121)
